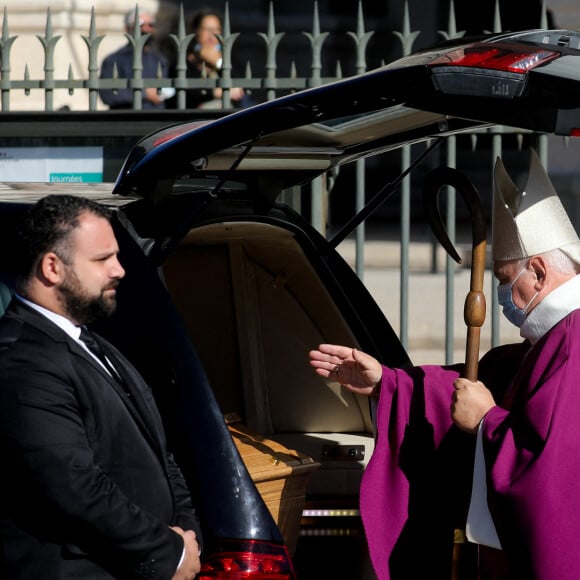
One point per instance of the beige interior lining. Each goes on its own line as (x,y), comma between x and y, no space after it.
(254,307)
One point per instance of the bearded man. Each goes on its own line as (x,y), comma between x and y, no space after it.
(88,488)
(497,457)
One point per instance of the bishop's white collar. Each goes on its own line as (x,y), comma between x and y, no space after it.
(551,310)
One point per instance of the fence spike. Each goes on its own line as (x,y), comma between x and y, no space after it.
(181,22)
(406,19)
(26,79)
(48,32)
(5,50)
(407,37)
(271,22)
(567,141)
(271,40)
(71,78)
(316,39)
(181,41)
(360,20)
(361,40)
(544,15)
(5,33)
(6,45)
(316,20)
(93,24)
(497,18)
(474,141)
(227,27)
(93,42)
(451,25)
(136,27)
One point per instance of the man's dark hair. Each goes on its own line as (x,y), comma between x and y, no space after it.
(47,227)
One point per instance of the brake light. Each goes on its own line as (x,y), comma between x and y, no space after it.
(503,57)
(253,559)
(172,132)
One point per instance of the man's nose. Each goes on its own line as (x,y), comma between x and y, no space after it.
(118,271)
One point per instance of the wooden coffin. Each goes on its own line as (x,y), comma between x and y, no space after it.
(280,474)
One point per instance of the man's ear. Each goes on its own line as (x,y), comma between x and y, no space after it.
(51,269)
(538,265)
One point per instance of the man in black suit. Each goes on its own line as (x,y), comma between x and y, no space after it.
(88,489)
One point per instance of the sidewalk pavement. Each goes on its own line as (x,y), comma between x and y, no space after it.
(426,297)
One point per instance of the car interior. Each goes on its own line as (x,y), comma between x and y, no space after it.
(248,291)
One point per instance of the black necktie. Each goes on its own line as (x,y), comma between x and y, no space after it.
(93,345)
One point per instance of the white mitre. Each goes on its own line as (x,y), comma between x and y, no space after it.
(529,222)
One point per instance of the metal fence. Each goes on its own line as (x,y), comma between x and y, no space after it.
(269,84)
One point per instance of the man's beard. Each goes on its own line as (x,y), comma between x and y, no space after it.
(81,307)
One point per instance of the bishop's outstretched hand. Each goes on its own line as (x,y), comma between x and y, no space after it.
(356,370)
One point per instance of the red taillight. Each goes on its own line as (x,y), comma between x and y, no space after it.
(505,57)
(243,559)
(177,131)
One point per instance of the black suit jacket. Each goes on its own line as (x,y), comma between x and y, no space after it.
(87,488)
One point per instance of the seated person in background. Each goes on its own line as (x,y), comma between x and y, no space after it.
(153,63)
(205,61)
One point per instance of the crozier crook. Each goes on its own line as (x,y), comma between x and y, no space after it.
(463,558)
(474,310)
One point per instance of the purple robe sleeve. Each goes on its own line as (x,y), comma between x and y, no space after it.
(417,485)
(407,398)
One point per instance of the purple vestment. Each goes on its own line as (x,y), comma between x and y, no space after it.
(532,453)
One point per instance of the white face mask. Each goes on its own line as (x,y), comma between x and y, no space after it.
(505,299)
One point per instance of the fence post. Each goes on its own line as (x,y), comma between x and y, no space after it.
(451,153)
(48,42)
(6,47)
(93,42)
(181,40)
(228,39)
(319,198)
(271,39)
(407,38)
(361,39)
